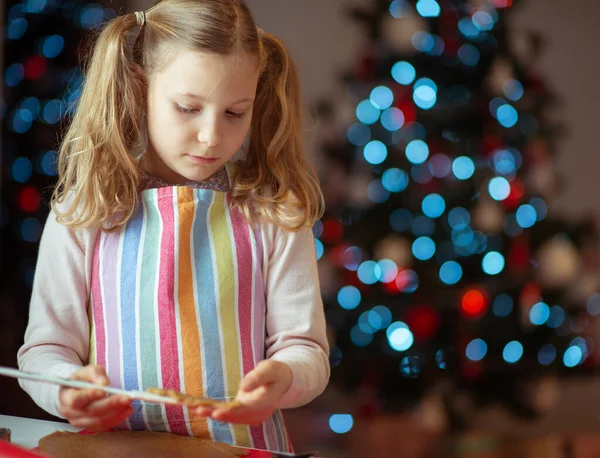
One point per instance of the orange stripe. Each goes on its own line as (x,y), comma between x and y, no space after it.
(190,330)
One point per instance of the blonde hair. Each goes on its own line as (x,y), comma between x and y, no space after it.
(97,171)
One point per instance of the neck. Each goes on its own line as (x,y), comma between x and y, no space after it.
(153,166)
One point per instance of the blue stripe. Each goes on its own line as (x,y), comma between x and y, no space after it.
(129,259)
(207,302)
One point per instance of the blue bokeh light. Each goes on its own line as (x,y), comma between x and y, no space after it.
(451,272)
(469,54)
(375,152)
(53,111)
(351,258)
(341,423)
(539,313)
(399,8)
(573,356)
(31,230)
(512,352)
(16,28)
(526,216)
(369,272)
(540,207)
(349,297)
(513,89)
(392,119)
(547,354)
(467,27)
(359,337)
(14,74)
(476,349)
(380,317)
(367,113)
(394,180)
(593,304)
(382,97)
(91,16)
(319,249)
(425,93)
(499,188)
(507,115)
(459,218)
(423,41)
(376,192)
(417,151)
(52,46)
(22,169)
(557,317)
(359,134)
(422,225)
(401,219)
(493,263)
(463,167)
(404,73)
(502,305)
(439,165)
(400,338)
(423,248)
(389,270)
(428,8)
(483,20)
(433,205)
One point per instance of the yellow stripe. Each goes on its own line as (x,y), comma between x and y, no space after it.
(227,281)
(190,329)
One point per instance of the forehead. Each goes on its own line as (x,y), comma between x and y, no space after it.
(210,76)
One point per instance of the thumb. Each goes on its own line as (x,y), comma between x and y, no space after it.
(94,374)
(260,375)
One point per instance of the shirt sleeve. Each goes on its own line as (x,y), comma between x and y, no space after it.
(57,335)
(296,330)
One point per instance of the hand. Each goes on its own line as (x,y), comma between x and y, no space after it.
(260,391)
(92,409)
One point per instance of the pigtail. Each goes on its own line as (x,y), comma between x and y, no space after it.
(97,173)
(276,154)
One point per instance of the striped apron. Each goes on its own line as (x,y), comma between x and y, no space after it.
(177,302)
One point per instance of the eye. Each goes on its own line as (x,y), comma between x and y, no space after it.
(236,115)
(186,110)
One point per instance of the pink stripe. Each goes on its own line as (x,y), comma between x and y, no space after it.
(110,259)
(98,315)
(259,301)
(243,249)
(169,353)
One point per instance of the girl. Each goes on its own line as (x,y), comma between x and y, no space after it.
(190,266)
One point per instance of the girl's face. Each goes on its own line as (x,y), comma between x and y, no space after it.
(198,114)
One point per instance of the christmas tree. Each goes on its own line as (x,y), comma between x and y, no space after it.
(440,257)
(44,41)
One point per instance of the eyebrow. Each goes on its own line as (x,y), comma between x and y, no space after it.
(199,97)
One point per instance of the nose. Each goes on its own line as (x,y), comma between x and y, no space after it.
(209,132)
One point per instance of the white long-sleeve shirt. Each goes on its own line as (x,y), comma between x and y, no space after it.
(58,333)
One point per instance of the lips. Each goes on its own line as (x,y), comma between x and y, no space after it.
(203,160)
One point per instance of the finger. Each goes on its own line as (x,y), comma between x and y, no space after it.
(98,424)
(79,399)
(78,414)
(107,405)
(202,411)
(92,373)
(257,398)
(239,417)
(262,374)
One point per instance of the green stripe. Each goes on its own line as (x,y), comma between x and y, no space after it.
(147,307)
